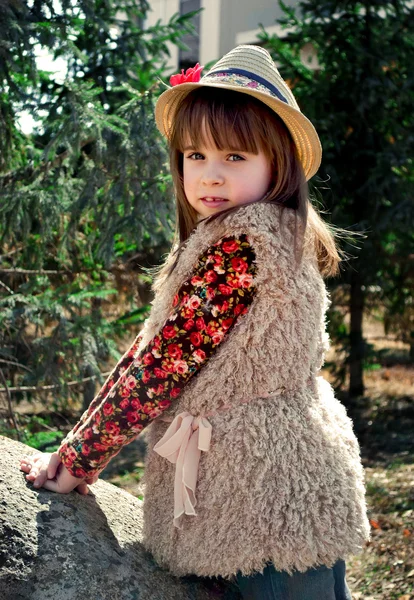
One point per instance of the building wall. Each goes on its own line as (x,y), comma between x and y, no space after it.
(227,23)
(222,25)
(242,18)
(164,10)
(210,31)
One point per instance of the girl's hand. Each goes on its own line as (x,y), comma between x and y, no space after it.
(46,470)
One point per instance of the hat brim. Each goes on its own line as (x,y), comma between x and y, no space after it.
(303,132)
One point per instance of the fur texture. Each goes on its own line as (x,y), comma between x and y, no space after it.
(283,480)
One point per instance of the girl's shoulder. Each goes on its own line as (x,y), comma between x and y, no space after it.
(276,233)
(273,232)
(268,227)
(256,217)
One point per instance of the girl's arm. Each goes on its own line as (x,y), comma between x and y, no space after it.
(204,311)
(43,467)
(121,366)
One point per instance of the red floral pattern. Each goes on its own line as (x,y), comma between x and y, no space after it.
(142,386)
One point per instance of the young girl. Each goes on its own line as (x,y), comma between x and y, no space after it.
(253,470)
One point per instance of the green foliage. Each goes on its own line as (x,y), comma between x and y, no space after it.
(37,433)
(339,336)
(360,98)
(398,297)
(45,441)
(87,194)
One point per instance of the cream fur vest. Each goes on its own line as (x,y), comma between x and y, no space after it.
(283,479)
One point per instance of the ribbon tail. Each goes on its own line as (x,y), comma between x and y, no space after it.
(182,445)
(179,501)
(190,472)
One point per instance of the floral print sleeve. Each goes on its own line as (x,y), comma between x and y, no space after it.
(116,372)
(144,384)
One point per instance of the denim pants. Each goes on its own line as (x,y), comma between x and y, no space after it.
(317,583)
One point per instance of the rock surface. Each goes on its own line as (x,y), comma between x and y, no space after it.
(73,547)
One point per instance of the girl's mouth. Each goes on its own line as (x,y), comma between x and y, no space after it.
(213,201)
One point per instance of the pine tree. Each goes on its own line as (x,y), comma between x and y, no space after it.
(86,196)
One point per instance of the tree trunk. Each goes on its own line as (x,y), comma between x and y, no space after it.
(357,342)
(89,387)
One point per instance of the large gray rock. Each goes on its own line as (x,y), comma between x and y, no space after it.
(73,547)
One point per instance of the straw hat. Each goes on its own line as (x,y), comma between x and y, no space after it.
(249,70)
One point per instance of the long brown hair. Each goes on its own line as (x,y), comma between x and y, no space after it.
(236,121)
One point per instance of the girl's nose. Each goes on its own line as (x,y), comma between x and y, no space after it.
(212,176)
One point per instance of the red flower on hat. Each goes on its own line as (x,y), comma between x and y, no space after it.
(191,75)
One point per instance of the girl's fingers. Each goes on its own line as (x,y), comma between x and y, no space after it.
(32,470)
(53,465)
(33,473)
(64,482)
(46,470)
(26,459)
(54,486)
(83,489)
(41,476)
(37,467)
(60,486)
(26,462)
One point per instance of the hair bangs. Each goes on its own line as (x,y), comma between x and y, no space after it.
(221,118)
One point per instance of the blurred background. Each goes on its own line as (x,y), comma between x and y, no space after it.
(220,25)
(86,204)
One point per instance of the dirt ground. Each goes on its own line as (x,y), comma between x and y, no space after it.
(385,568)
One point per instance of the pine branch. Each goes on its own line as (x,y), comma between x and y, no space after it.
(34,272)
(48,388)
(11,252)
(15,364)
(31,173)
(6,287)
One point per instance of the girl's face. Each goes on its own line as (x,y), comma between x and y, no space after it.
(216,179)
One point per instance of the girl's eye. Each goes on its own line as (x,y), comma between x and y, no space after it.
(235,157)
(195,156)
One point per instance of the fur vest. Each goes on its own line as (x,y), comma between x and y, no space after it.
(283,479)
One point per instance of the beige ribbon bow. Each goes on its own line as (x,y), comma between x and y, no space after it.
(182,444)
